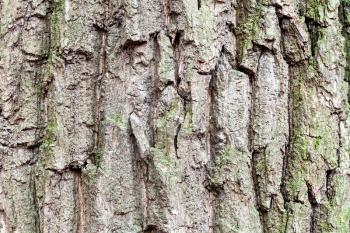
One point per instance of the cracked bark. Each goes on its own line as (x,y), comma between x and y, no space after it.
(174,116)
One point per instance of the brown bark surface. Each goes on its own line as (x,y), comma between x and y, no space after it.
(174,116)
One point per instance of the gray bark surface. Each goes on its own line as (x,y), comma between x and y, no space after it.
(174,116)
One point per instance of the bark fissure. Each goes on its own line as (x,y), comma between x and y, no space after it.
(99,92)
(80,203)
(344,9)
(35,201)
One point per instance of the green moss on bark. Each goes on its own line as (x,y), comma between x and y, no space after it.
(247,28)
(56,19)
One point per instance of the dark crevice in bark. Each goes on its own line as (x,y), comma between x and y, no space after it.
(35,200)
(314,208)
(176,140)
(176,42)
(289,34)
(79,200)
(129,45)
(213,93)
(248,72)
(258,157)
(288,146)
(156,87)
(39,58)
(329,176)
(286,158)
(199,4)
(99,93)
(313,29)
(255,175)
(39,132)
(212,125)
(340,143)
(153,229)
(252,78)
(145,182)
(344,10)
(214,190)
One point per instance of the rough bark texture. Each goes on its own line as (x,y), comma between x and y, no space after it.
(174,116)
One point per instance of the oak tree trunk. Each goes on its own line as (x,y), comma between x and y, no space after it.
(174,116)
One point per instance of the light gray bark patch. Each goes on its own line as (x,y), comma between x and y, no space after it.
(138,130)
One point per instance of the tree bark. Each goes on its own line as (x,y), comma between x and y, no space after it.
(174,116)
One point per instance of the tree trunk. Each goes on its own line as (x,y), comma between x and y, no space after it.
(174,116)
